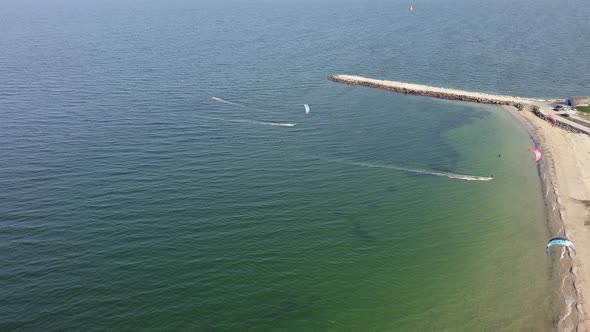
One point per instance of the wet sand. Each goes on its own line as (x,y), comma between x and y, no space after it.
(565,185)
(566,189)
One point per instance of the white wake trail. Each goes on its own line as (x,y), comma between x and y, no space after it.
(265,123)
(279,124)
(228,102)
(416,170)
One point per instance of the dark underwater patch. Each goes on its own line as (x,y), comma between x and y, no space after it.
(371,204)
(361,233)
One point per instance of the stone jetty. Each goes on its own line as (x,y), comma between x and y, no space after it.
(437,92)
(539,107)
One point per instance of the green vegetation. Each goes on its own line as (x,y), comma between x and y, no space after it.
(585,109)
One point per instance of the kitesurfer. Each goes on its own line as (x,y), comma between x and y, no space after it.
(562,242)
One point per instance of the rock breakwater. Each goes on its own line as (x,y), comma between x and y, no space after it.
(436,92)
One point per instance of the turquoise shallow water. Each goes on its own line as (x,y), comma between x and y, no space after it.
(131,199)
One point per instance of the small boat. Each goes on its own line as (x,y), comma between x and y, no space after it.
(411,7)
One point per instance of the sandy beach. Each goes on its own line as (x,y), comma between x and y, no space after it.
(566,156)
(566,191)
(566,187)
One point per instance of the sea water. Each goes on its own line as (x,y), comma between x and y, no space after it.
(132,199)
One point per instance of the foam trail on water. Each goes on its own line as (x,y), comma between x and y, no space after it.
(416,170)
(227,102)
(266,123)
(255,108)
(280,124)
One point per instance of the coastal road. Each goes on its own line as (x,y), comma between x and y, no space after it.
(547,108)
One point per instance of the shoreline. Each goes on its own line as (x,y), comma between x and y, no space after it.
(565,188)
(569,296)
(568,153)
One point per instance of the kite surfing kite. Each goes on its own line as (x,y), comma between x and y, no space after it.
(537,154)
(561,241)
(306,108)
(553,120)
